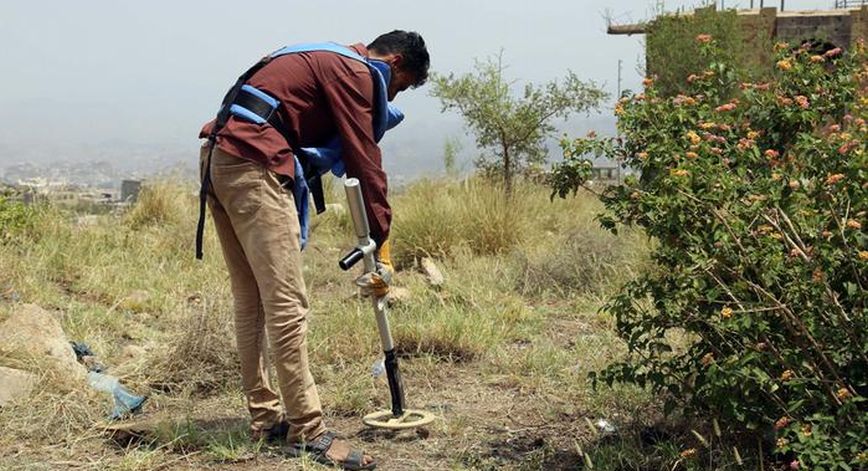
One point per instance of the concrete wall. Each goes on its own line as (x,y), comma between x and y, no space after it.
(836,29)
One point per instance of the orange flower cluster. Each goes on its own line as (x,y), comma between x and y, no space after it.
(781,423)
(694,138)
(833,52)
(688,453)
(714,138)
(684,100)
(785,64)
(787,375)
(642,156)
(817,59)
(704,75)
(834,178)
(771,154)
(726,312)
(745,144)
(803,102)
(691,155)
(679,172)
(707,359)
(843,394)
(863,255)
(704,38)
(726,107)
(854,224)
(847,147)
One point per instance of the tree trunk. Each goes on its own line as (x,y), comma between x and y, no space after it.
(507,171)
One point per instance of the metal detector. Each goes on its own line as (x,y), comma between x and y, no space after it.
(399,417)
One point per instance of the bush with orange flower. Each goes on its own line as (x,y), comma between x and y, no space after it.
(761,229)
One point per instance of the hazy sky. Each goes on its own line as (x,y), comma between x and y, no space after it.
(79,76)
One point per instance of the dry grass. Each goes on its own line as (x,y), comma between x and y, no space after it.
(501,351)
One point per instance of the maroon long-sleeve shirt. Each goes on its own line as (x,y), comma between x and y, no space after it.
(321,94)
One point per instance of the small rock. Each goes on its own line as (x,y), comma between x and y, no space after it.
(34,331)
(399,295)
(432,273)
(14,384)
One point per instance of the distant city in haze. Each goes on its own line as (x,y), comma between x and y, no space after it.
(102,90)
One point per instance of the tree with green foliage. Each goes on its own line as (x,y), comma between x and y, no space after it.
(511,129)
(672,54)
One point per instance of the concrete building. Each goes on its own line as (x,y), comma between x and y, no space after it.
(839,27)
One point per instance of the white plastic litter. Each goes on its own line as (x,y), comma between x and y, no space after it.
(605,427)
(378,368)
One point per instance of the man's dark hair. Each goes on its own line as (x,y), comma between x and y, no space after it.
(411,46)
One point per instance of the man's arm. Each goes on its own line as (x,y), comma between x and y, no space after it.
(350,98)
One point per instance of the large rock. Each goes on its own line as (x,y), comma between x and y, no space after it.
(14,384)
(34,331)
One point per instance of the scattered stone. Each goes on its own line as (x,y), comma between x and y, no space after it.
(14,384)
(432,273)
(34,331)
(194,299)
(399,295)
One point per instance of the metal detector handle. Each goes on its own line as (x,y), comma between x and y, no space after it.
(365,247)
(351,259)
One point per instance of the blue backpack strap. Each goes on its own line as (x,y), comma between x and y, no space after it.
(314,47)
(320,161)
(380,72)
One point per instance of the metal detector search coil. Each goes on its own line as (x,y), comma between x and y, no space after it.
(398,418)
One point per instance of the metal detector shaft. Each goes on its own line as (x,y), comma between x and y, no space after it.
(365,251)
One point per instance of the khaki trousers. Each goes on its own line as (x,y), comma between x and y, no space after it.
(258,229)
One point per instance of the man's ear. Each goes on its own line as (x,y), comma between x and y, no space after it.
(397,61)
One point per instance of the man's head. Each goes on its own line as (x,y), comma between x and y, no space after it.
(406,55)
